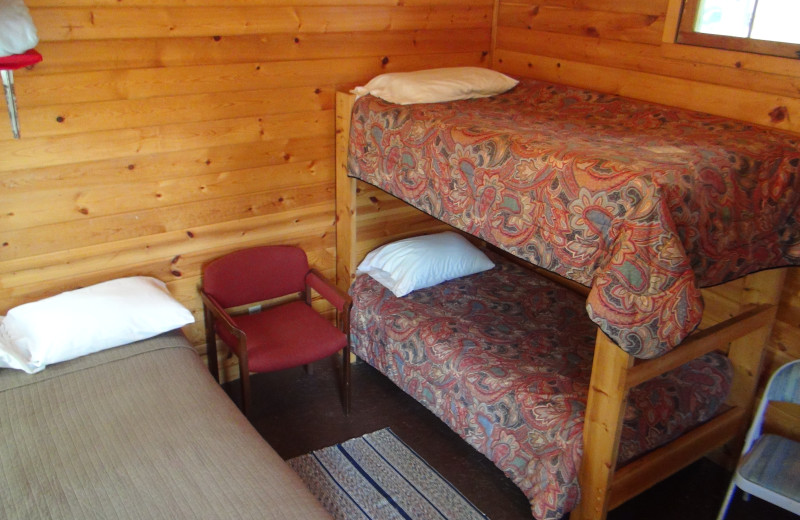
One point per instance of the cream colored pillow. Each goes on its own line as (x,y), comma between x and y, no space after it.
(423,261)
(83,321)
(437,85)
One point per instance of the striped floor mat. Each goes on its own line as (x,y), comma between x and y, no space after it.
(379,477)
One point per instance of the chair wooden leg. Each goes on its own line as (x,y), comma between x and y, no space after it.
(211,344)
(244,379)
(346,378)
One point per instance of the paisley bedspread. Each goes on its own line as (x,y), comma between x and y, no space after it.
(504,358)
(642,202)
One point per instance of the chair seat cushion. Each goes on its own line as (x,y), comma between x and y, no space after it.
(774,463)
(286,336)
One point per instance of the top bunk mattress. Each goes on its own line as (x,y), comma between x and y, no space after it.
(137,431)
(642,202)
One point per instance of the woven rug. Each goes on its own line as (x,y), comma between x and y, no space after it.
(379,477)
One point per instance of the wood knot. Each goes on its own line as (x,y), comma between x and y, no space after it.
(778,114)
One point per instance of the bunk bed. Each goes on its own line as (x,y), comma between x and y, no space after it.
(642,204)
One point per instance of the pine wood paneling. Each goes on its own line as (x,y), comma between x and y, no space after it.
(159,134)
(626,26)
(134,193)
(72,56)
(109,85)
(64,119)
(122,21)
(675,61)
(121,226)
(161,255)
(649,7)
(33,152)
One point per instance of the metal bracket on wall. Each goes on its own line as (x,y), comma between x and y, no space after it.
(8,64)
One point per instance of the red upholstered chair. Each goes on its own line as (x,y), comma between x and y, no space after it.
(258,301)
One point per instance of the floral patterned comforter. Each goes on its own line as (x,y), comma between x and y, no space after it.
(642,202)
(504,358)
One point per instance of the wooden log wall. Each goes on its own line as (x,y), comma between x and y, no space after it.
(627,47)
(159,134)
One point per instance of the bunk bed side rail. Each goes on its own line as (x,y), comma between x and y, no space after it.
(345,195)
(614,373)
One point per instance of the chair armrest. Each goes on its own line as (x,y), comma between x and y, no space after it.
(223,317)
(338,298)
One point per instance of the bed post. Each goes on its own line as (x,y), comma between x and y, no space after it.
(613,373)
(605,408)
(747,353)
(345,196)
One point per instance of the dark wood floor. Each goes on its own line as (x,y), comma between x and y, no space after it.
(298,412)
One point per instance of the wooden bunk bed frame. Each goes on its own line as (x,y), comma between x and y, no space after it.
(367,217)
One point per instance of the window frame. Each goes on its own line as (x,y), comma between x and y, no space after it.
(687,35)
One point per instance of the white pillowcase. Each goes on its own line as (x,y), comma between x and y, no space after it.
(423,261)
(17,32)
(83,321)
(437,85)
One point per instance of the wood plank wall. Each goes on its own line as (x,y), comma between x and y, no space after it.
(159,134)
(626,47)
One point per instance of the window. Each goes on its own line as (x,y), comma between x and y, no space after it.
(761,26)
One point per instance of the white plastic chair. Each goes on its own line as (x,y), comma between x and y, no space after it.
(769,466)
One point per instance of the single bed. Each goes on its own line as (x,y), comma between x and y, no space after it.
(137,431)
(642,204)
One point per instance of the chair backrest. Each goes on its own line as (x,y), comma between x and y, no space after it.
(783,385)
(256,274)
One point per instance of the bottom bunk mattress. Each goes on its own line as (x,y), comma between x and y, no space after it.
(504,357)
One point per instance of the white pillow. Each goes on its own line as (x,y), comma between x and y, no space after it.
(424,261)
(437,85)
(17,32)
(79,322)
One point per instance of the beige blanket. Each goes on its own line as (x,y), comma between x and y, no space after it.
(140,431)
